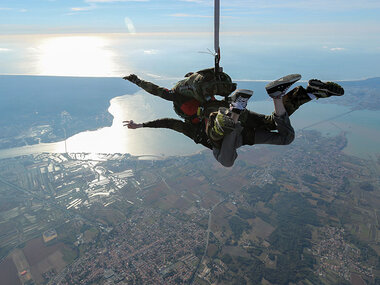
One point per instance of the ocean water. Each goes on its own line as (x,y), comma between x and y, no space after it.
(361,127)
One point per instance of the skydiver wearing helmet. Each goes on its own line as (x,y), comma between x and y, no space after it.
(194,94)
(233,126)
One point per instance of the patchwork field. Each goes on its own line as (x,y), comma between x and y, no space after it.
(8,273)
(33,262)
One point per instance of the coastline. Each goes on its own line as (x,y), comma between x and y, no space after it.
(335,120)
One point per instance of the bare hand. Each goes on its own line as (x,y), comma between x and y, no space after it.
(132,125)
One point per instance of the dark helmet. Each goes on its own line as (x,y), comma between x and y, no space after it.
(224,84)
(216,83)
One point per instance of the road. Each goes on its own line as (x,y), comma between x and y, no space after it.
(207,239)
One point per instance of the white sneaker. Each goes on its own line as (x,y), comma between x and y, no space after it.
(240,100)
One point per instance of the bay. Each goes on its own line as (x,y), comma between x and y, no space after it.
(361,127)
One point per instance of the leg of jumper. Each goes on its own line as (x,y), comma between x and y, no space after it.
(252,119)
(227,154)
(283,136)
(294,99)
(253,122)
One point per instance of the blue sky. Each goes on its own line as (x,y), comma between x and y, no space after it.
(70,16)
(259,39)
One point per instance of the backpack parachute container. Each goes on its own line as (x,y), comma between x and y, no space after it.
(204,84)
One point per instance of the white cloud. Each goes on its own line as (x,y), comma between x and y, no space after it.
(112,1)
(79,9)
(5,9)
(151,51)
(130,26)
(334,48)
(154,75)
(180,15)
(4,49)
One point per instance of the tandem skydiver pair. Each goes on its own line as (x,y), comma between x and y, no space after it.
(225,125)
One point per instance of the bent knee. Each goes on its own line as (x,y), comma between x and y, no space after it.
(289,139)
(226,162)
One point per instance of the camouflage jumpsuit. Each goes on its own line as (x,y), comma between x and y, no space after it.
(256,127)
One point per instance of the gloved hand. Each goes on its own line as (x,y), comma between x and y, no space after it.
(132,78)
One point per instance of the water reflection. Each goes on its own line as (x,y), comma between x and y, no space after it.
(119,139)
(363,138)
(75,56)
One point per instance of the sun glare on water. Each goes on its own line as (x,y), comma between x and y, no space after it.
(75,56)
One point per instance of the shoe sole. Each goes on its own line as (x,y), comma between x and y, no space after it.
(324,87)
(240,95)
(244,93)
(286,80)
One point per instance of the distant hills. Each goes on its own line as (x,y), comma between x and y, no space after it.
(370,82)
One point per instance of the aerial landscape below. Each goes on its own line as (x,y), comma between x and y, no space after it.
(189,142)
(306,213)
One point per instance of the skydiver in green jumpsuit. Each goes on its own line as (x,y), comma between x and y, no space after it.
(247,127)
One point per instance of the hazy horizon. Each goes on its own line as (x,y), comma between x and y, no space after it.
(259,40)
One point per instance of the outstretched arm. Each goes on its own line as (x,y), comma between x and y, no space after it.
(188,129)
(150,87)
(166,123)
(132,125)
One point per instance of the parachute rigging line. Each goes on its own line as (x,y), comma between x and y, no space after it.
(216,34)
